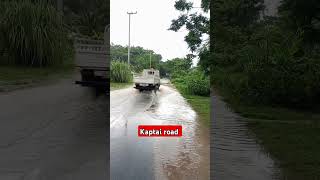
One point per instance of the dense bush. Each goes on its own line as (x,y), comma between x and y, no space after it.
(120,72)
(273,66)
(193,83)
(197,83)
(87,18)
(33,34)
(269,60)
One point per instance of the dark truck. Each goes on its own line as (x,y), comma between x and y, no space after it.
(92,59)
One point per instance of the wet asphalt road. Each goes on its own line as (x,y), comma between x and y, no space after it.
(54,132)
(235,152)
(139,158)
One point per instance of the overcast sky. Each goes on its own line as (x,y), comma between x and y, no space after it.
(149,28)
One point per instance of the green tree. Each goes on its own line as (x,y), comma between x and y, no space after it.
(197,25)
(139,57)
(303,15)
(176,67)
(265,60)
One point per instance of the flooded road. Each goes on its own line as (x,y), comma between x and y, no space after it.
(133,157)
(54,132)
(236,154)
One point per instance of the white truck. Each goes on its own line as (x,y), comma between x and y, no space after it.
(148,80)
(92,59)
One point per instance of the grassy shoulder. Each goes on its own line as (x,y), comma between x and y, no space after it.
(201,104)
(13,77)
(291,136)
(116,86)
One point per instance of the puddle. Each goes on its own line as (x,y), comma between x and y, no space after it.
(156,158)
(236,154)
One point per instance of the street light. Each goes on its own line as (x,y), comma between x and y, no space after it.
(130,13)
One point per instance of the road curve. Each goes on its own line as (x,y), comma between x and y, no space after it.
(54,132)
(133,157)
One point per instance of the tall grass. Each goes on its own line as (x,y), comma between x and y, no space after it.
(33,33)
(120,72)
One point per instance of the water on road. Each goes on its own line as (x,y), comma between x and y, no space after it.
(54,132)
(236,154)
(133,157)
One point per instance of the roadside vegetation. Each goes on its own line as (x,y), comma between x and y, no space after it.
(192,82)
(37,40)
(33,35)
(268,68)
(120,72)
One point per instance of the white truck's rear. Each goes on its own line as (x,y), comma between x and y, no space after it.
(149,80)
(92,59)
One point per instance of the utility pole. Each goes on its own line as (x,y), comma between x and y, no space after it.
(130,13)
(150,60)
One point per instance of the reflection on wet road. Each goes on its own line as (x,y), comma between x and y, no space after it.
(133,157)
(54,132)
(236,155)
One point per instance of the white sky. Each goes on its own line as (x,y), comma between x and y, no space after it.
(149,28)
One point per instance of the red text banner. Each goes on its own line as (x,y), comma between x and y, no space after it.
(160,130)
